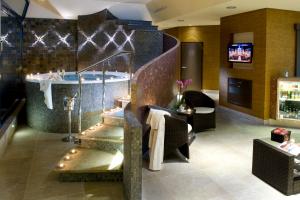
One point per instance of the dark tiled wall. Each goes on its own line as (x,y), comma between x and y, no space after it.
(10,62)
(97,39)
(45,47)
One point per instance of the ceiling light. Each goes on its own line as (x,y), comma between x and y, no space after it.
(231,7)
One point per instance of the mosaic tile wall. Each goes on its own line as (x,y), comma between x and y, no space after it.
(99,38)
(10,62)
(132,170)
(154,83)
(49,44)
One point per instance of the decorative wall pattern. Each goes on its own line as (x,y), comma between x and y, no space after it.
(49,44)
(100,34)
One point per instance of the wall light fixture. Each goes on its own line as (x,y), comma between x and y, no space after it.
(39,39)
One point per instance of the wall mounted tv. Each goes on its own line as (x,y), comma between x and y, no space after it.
(240,52)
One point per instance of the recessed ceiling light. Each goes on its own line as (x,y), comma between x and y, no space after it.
(180,20)
(231,7)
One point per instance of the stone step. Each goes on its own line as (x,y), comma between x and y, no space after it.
(90,165)
(103,137)
(114,117)
(122,102)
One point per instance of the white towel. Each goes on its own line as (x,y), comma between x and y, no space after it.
(157,137)
(45,86)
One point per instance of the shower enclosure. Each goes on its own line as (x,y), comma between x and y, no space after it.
(12,15)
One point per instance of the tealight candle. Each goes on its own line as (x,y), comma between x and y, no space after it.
(67,158)
(73,151)
(61,165)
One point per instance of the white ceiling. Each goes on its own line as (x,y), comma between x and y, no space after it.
(210,15)
(164,13)
(71,9)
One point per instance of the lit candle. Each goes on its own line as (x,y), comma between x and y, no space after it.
(50,72)
(73,151)
(67,158)
(61,165)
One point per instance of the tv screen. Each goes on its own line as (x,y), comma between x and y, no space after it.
(240,52)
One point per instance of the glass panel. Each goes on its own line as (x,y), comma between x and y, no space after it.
(289,100)
(16,5)
(10,63)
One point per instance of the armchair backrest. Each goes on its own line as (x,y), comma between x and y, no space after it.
(197,99)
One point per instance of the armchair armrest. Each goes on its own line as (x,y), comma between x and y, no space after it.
(198,99)
(177,129)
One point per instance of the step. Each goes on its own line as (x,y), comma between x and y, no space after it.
(134,22)
(103,137)
(90,165)
(122,102)
(114,117)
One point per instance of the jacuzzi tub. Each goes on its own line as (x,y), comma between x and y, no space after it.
(56,120)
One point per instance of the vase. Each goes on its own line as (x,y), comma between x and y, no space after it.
(178,97)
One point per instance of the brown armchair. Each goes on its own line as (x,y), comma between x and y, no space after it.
(176,131)
(204,116)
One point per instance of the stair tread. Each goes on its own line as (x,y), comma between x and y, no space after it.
(115,114)
(92,161)
(105,132)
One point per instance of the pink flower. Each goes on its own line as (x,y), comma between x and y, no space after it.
(183,84)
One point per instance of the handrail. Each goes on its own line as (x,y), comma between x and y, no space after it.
(103,60)
(117,53)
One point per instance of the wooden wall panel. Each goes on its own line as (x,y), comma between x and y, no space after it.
(210,36)
(255,22)
(281,52)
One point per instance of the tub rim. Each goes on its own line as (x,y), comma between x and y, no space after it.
(122,76)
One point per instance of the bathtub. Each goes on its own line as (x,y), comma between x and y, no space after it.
(56,120)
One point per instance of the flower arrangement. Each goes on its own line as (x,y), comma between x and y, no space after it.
(183,84)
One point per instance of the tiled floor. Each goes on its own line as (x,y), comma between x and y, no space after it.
(26,171)
(219,168)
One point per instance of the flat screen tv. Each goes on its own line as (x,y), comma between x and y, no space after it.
(240,52)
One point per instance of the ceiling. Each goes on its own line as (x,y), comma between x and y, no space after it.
(164,13)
